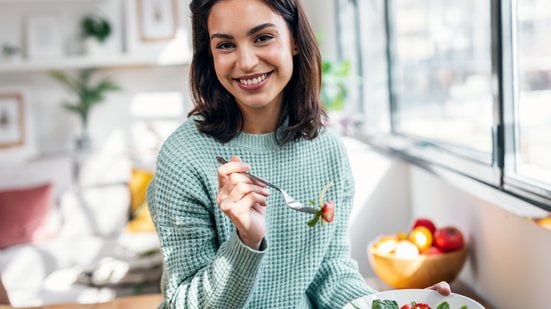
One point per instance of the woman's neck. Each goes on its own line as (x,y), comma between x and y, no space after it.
(260,121)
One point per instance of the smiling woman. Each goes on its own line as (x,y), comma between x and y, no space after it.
(246,50)
(227,241)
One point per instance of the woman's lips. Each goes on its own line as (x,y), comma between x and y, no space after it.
(253,82)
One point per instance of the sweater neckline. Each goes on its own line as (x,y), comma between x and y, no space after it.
(260,142)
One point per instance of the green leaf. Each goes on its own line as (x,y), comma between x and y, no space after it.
(443,305)
(314,220)
(384,304)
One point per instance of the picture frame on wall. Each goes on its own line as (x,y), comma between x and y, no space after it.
(157,19)
(43,37)
(12,119)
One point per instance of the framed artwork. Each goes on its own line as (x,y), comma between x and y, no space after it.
(12,119)
(157,19)
(43,37)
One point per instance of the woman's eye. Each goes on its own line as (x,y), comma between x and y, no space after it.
(224,45)
(263,38)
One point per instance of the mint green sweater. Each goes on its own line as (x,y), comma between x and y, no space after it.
(207,266)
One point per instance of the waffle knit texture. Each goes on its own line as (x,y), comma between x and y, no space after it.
(206,264)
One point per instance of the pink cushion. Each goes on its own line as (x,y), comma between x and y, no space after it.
(23,211)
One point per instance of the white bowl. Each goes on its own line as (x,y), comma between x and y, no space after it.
(406,296)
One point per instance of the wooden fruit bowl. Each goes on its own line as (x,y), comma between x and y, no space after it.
(419,272)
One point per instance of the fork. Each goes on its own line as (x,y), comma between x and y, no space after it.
(289,201)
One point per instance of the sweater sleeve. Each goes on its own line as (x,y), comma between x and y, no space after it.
(199,272)
(338,280)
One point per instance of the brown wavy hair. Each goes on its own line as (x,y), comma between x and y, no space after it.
(302,114)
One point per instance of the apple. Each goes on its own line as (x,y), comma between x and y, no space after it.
(432,250)
(424,222)
(448,238)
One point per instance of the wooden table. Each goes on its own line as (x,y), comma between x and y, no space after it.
(145,301)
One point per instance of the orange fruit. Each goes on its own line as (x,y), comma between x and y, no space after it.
(421,237)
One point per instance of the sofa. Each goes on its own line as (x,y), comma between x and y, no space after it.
(75,228)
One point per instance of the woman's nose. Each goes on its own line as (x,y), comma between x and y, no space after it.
(247,58)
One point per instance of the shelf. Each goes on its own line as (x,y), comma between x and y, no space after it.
(80,62)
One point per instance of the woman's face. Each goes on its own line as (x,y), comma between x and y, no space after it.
(253,53)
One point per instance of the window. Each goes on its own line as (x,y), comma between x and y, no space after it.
(459,89)
(528,164)
(442,71)
(374,77)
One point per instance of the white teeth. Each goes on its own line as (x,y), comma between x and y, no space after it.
(253,81)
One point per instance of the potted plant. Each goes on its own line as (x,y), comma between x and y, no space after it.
(95,30)
(335,82)
(88,93)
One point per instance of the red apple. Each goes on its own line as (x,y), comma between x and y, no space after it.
(432,250)
(424,222)
(448,238)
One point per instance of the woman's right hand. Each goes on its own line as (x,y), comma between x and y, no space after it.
(243,201)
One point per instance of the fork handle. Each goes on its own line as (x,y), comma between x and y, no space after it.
(261,180)
(253,177)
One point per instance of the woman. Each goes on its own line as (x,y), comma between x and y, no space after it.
(227,241)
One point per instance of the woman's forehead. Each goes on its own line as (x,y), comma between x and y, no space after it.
(239,16)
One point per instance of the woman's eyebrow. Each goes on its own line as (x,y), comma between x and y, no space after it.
(259,28)
(221,36)
(249,33)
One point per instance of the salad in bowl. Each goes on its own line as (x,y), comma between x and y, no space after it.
(413,299)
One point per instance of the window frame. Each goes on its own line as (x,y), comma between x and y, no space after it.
(514,183)
(496,171)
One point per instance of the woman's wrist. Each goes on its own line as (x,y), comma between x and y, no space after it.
(253,244)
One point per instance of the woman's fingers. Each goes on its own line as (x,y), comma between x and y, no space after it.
(441,287)
(243,195)
(242,200)
(230,183)
(235,165)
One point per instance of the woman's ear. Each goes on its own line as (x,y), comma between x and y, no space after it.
(295,48)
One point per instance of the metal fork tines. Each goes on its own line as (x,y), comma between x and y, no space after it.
(289,201)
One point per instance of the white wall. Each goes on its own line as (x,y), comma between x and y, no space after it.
(509,259)
(52,128)
(321,16)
